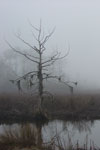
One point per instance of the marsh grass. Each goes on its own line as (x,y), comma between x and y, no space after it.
(24,107)
(25,136)
(21,101)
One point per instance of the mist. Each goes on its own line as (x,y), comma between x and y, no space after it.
(76,24)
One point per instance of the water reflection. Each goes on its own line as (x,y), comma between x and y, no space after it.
(76,130)
(82,126)
(66,128)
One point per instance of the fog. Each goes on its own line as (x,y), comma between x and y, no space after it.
(77,24)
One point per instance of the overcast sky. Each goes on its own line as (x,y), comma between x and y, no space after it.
(77,22)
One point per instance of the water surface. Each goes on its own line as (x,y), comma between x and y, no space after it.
(80,131)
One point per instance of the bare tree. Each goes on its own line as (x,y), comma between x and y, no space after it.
(41,74)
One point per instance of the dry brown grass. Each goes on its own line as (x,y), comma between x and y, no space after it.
(70,103)
(13,106)
(25,136)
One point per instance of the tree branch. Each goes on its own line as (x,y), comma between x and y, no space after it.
(24,76)
(33,56)
(35,28)
(50,59)
(39,34)
(52,62)
(25,42)
(56,57)
(21,53)
(47,37)
(60,80)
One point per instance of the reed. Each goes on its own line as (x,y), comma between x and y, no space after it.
(25,138)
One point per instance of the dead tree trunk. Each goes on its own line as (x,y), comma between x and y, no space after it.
(40,77)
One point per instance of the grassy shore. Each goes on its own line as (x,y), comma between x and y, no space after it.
(23,107)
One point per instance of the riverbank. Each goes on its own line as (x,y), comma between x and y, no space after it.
(18,108)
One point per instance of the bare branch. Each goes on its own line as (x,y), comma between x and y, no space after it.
(25,75)
(47,74)
(33,56)
(38,30)
(43,35)
(21,53)
(42,49)
(51,58)
(55,58)
(62,57)
(75,83)
(50,63)
(39,35)
(48,77)
(60,80)
(25,42)
(47,37)
(66,83)
(35,28)
(34,36)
